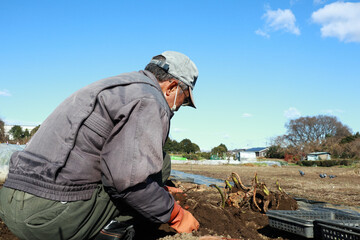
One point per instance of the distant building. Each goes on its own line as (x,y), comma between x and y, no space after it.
(246,156)
(250,154)
(238,150)
(259,151)
(23,127)
(237,153)
(314,156)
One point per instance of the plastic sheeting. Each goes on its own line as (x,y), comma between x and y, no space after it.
(221,162)
(198,179)
(6,150)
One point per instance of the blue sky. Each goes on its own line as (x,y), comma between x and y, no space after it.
(260,63)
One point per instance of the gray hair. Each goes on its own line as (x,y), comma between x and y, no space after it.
(162,75)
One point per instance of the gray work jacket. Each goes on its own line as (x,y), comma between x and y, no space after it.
(111,132)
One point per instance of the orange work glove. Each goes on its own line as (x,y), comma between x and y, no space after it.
(182,221)
(172,190)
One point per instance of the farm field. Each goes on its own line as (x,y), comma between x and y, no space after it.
(203,202)
(344,189)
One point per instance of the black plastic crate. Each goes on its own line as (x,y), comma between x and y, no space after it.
(338,229)
(301,222)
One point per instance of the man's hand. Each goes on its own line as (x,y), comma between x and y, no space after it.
(173,190)
(182,221)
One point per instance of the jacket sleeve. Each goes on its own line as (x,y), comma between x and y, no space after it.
(148,199)
(133,152)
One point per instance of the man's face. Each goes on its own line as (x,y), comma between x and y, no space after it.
(174,94)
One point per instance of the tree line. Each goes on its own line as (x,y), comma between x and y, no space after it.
(185,147)
(18,134)
(316,134)
(191,150)
(303,135)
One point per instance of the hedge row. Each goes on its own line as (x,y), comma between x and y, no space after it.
(191,156)
(327,163)
(197,156)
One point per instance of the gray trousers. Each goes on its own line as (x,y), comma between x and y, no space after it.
(31,217)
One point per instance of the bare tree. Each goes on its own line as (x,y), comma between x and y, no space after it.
(280,141)
(313,130)
(318,133)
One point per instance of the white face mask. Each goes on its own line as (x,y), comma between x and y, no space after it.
(173,109)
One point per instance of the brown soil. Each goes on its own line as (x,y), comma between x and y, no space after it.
(5,234)
(344,189)
(247,222)
(226,222)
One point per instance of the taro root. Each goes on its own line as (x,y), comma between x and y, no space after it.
(258,197)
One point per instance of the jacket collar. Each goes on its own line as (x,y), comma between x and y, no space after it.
(153,78)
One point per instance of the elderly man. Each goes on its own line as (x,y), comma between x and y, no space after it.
(98,158)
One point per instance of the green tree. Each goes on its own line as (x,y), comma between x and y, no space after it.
(275,151)
(205,155)
(223,146)
(34,130)
(219,150)
(26,133)
(185,146)
(196,147)
(2,131)
(188,147)
(172,146)
(16,132)
(169,146)
(350,138)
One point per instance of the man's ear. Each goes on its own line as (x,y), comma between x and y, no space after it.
(171,87)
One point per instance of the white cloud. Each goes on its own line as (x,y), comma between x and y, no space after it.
(226,136)
(246,115)
(178,130)
(278,20)
(318,2)
(5,93)
(293,2)
(292,113)
(262,33)
(340,20)
(332,111)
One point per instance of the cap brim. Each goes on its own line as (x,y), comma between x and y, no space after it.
(192,102)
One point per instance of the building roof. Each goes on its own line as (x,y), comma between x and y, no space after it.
(318,153)
(256,149)
(238,150)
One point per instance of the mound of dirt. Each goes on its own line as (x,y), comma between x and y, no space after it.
(245,222)
(230,222)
